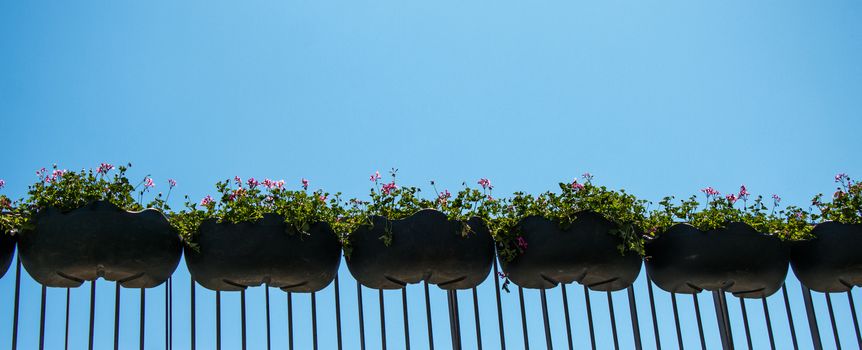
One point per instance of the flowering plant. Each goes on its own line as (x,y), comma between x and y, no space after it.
(846,204)
(248,201)
(394,202)
(619,207)
(10,218)
(787,223)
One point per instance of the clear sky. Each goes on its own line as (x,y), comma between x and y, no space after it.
(660,98)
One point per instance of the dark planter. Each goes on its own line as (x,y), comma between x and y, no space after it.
(831,262)
(737,259)
(137,249)
(232,257)
(7,247)
(425,247)
(585,252)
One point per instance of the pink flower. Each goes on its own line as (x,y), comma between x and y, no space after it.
(104,168)
(375,176)
(776,198)
(41,172)
(207,201)
(148,182)
(576,186)
(2,183)
(57,173)
(268,184)
(709,191)
(172,183)
(237,193)
(322,198)
(522,243)
(238,180)
(485,183)
(731,198)
(444,196)
(743,193)
(587,177)
(490,199)
(279,183)
(304,183)
(841,177)
(252,183)
(799,215)
(388,188)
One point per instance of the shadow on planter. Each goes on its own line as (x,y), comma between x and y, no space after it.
(7,247)
(736,259)
(425,247)
(137,249)
(585,253)
(831,262)
(232,257)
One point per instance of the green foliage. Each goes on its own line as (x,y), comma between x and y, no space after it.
(789,223)
(619,207)
(249,201)
(846,204)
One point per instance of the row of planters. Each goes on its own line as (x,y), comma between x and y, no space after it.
(77,226)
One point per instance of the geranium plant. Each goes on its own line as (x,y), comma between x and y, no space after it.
(619,207)
(846,204)
(10,216)
(787,223)
(394,202)
(248,201)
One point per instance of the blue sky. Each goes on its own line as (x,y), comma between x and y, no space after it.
(658,98)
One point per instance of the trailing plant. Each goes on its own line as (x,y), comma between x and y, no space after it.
(11,219)
(393,202)
(619,207)
(846,204)
(247,201)
(789,223)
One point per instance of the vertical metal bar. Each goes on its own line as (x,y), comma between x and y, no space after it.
(768,323)
(699,321)
(790,317)
(745,323)
(143,318)
(523,318)
(17,302)
(337,312)
(92,312)
(382,320)
(676,321)
(116,315)
(654,317)
(192,302)
(590,317)
(726,312)
(499,306)
(218,320)
(832,321)
(242,316)
(454,321)
(66,340)
(428,317)
(42,321)
(726,343)
(633,310)
(268,336)
(167,322)
(361,317)
(613,320)
(290,319)
(170,313)
(478,323)
(548,343)
(812,318)
(855,318)
(406,319)
(314,319)
(566,313)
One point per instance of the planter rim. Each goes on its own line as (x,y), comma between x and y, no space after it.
(98,202)
(662,233)
(423,211)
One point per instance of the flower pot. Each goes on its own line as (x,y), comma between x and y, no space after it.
(425,247)
(737,259)
(137,249)
(584,252)
(830,262)
(232,257)
(7,247)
